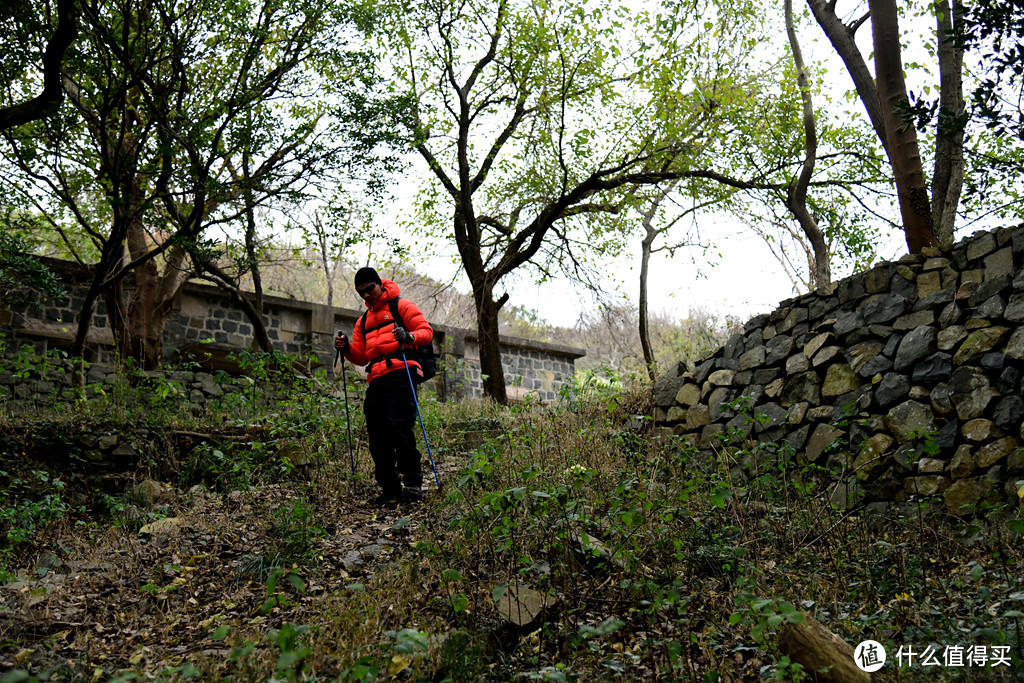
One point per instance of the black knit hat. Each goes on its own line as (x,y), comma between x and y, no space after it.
(365,276)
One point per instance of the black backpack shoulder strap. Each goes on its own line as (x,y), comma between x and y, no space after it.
(393,305)
(396,317)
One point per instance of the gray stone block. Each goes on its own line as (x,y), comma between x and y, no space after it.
(1009,413)
(999,264)
(892,389)
(847,322)
(769,416)
(802,387)
(910,420)
(933,369)
(819,308)
(1008,380)
(992,308)
(935,301)
(950,315)
(917,344)
(777,349)
(854,403)
(978,343)
(883,307)
(874,366)
(851,289)
(877,279)
(981,246)
(950,337)
(734,347)
(963,496)
(824,436)
(988,289)
(913,320)
(666,389)
(948,436)
(970,392)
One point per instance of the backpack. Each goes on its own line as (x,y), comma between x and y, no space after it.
(424,355)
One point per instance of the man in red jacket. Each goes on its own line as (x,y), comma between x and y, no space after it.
(390,406)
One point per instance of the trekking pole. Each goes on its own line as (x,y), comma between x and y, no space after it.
(348,424)
(416,401)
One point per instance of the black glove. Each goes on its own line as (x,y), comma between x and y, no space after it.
(341,342)
(402,335)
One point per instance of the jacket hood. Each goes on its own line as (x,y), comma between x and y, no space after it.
(391,291)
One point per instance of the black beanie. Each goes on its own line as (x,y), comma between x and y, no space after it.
(365,276)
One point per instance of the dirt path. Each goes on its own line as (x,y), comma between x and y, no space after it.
(122,599)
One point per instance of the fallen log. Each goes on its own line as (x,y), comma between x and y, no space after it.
(824,655)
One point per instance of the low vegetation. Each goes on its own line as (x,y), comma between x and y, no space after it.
(568,542)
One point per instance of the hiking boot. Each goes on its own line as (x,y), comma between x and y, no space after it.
(412,494)
(385,499)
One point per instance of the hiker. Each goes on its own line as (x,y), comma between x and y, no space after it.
(390,406)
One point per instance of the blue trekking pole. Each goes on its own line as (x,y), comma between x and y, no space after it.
(348,424)
(412,388)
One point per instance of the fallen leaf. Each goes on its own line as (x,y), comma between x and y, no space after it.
(399,663)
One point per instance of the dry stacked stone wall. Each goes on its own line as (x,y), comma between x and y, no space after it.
(905,380)
(206,326)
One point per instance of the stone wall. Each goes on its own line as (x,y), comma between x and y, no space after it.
(904,380)
(35,382)
(207,327)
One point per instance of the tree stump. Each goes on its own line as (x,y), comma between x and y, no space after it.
(815,647)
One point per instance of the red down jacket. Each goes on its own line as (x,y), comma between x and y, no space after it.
(380,338)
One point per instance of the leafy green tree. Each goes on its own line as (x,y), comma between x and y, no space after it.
(185,115)
(536,120)
(22,275)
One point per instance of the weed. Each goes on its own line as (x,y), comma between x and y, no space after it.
(295,531)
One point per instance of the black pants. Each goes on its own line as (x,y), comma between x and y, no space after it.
(390,411)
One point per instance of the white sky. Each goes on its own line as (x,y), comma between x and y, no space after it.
(741,278)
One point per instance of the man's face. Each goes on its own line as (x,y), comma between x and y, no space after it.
(370,292)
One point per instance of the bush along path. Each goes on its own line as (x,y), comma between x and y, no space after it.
(570,542)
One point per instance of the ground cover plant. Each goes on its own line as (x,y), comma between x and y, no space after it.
(569,542)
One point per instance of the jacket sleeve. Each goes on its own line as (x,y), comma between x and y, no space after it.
(415,323)
(356,353)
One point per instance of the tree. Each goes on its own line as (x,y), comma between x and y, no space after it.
(536,120)
(886,102)
(796,194)
(654,206)
(189,114)
(21,275)
(332,233)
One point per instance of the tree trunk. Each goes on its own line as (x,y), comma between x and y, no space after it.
(824,655)
(644,324)
(948,174)
(904,154)
(251,247)
(142,335)
(134,338)
(843,40)
(491,368)
(796,197)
